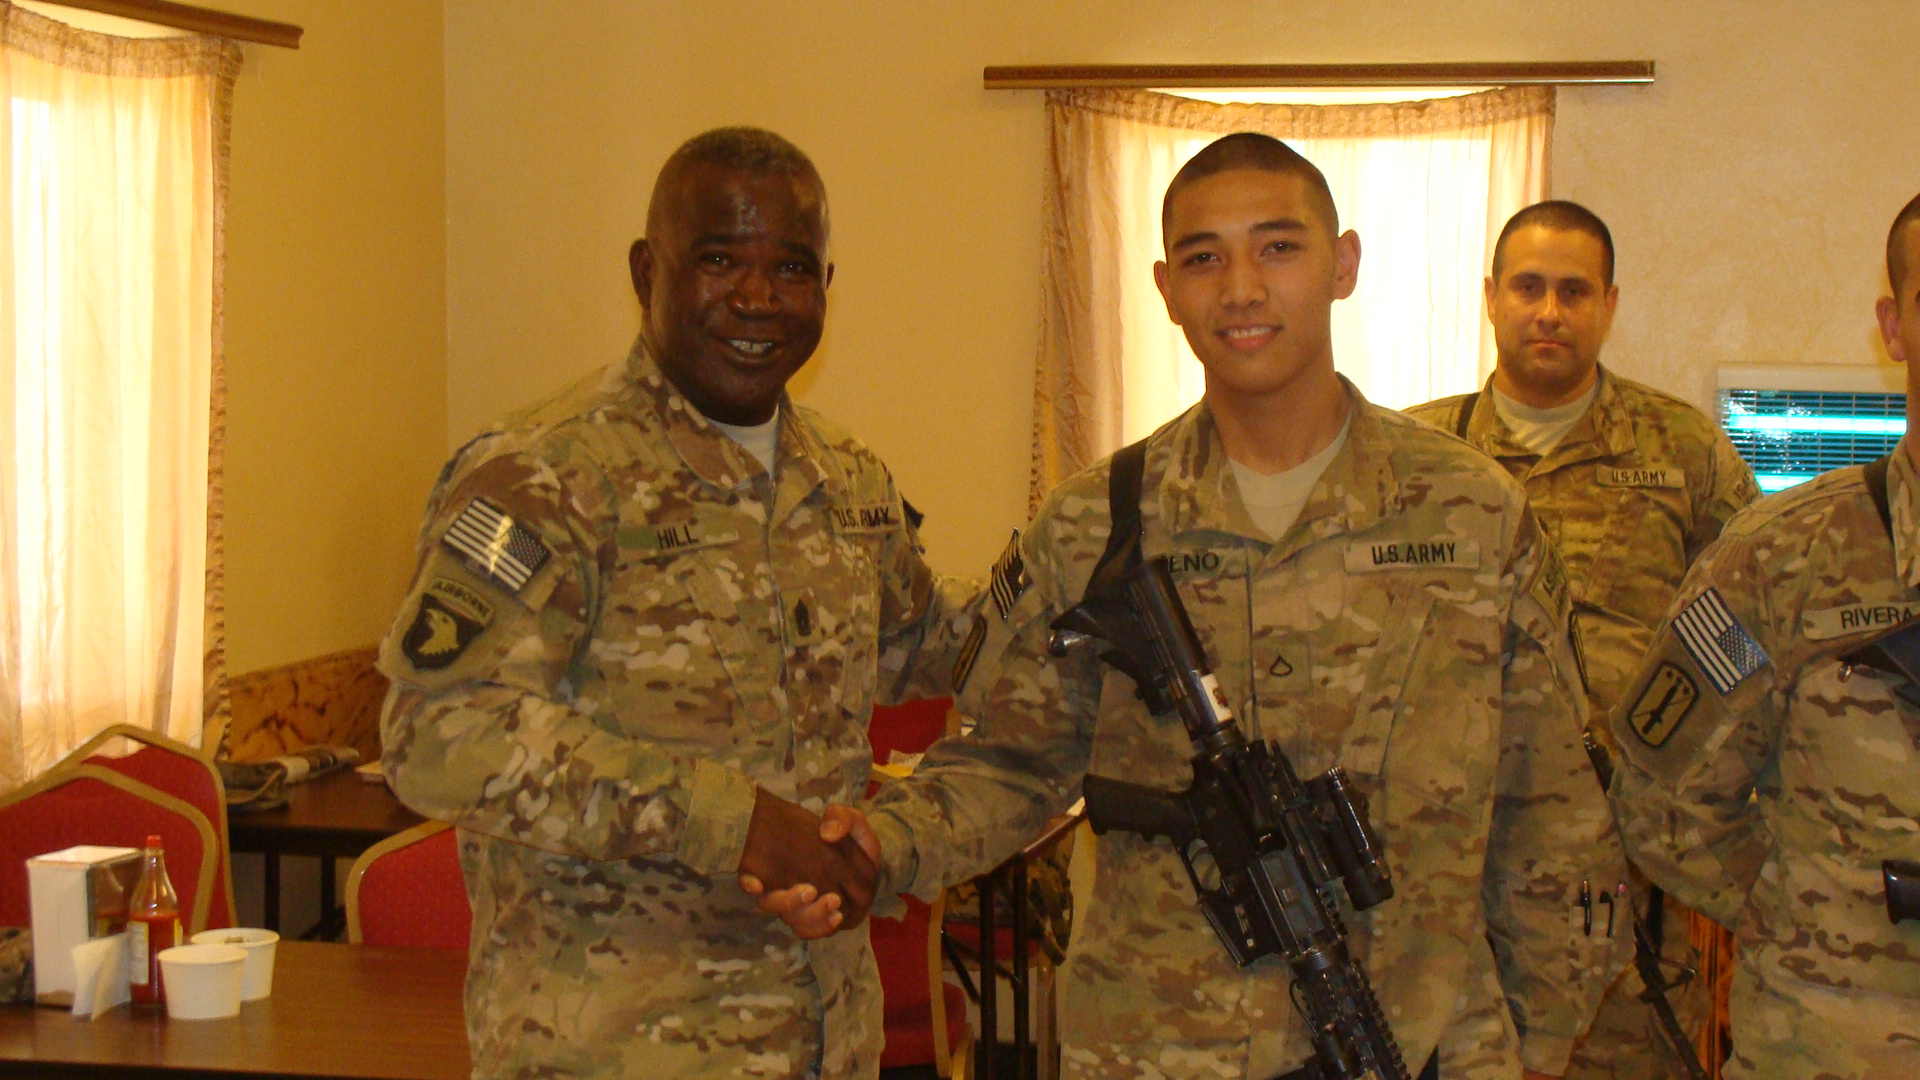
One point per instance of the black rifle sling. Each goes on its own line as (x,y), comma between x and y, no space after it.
(1875,474)
(1125,475)
(1465,419)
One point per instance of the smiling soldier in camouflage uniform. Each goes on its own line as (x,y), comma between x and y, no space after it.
(633,645)
(1631,485)
(1406,620)
(1771,756)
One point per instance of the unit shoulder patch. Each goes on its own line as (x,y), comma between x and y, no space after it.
(1722,648)
(451,615)
(496,546)
(1834,622)
(1667,699)
(1413,553)
(1614,476)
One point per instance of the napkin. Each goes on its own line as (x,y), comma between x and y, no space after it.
(100,976)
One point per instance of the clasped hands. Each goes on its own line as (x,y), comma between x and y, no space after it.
(817,873)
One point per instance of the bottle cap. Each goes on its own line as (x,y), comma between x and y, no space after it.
(153,841)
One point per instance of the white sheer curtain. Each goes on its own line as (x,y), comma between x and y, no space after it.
(1427,184)
(113,159)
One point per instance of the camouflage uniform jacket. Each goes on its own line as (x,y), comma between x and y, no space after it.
(1410,626)
(1630,497)
(608,644)
(1763,780)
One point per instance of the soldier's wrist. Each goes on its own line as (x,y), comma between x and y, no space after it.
(719,810)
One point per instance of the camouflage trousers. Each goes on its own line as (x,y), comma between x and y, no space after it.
(1627,1040)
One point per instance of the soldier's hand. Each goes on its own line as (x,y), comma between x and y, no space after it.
(816,886)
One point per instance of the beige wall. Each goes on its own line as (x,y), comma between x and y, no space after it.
(336,323)
(1749,188)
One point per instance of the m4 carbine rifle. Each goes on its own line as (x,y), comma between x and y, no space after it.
(1278,845)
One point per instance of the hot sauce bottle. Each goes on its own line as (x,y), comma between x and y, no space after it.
(153,924)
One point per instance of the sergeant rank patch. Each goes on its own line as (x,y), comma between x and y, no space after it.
(451,615)
(1723,649)
(495,545)
(1669,695)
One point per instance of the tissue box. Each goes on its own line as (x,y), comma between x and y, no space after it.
(76,895)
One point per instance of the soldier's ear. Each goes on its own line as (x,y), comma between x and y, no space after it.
(1886,311)
(640,266)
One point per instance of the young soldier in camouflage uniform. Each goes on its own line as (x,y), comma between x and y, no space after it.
(1769,760)
(1631,485)
(1404,618)
(634,644)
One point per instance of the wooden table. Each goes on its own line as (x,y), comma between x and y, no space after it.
(337,816)
(336,1011)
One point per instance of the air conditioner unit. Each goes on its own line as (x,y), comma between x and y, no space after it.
(1793,422)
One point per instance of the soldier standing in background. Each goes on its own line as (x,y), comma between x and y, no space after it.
(649,623)
(1770,750)
(1371,593)
(1631,485)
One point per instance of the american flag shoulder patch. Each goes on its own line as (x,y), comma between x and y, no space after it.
(1722,649)
(1009,577)
(495,545)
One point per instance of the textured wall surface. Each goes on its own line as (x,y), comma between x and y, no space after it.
(1748,188)
(336,324)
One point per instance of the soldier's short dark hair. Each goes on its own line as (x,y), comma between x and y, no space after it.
(1896,251)
(1252,150)
(1562,216)
(748,149)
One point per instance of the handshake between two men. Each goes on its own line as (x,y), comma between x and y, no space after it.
(817,873)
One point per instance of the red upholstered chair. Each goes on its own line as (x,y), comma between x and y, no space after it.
(908,948)
(908,952)
(407,890)
(180,771)
(86,804)
(909,727)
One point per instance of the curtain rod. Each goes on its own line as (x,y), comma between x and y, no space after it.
(197,19)
(1224,76)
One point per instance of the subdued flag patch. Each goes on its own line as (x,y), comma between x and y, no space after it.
(1009,577)
(495,545)
(1724,651)
(1663,704)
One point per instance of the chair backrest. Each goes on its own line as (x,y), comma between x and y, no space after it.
(408,890)
(178,770)
(909,727)
(86,804)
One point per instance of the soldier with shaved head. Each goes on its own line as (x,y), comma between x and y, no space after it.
(1770,750)
(650,620)
(1370,593)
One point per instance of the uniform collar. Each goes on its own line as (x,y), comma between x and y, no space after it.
(714,457)
(1903,505)
(1199,494)
(1605,431)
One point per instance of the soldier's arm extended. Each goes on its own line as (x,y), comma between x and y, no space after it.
(924,621)
(974,801)
(1695,735)
(1551,827)
(480,729)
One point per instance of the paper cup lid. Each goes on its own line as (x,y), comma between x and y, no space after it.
(203,954)
(246,936)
